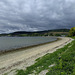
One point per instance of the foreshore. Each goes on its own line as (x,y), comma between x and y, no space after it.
(26,57)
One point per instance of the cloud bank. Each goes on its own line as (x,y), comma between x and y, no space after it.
(35,15)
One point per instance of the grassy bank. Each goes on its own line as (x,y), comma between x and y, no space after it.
(63,61)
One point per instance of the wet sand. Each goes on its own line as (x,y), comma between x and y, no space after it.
(26,57)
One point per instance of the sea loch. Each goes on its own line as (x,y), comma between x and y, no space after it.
(9,43)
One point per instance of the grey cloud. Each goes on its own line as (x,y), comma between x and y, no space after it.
(34,15)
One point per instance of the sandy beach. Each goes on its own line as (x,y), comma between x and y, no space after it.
(23,58)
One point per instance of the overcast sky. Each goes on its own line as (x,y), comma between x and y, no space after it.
(35,15)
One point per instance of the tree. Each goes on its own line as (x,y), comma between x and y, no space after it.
(72,32)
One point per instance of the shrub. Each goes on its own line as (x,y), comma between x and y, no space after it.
(72,32)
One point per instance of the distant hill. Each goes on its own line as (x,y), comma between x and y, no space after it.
(55,32)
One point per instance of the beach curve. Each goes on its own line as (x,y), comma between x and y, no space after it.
(24,58)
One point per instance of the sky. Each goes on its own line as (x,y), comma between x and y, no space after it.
(36,15)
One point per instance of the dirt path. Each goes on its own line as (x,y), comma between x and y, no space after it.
(24,58)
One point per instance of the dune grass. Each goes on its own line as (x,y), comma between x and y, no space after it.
(63,58)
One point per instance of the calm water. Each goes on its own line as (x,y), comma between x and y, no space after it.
(8,43)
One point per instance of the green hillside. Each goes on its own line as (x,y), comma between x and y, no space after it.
(56,32)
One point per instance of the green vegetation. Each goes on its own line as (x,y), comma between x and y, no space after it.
(63,60)
(72,32)
(56,32)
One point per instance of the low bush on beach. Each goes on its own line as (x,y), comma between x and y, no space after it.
(63,60)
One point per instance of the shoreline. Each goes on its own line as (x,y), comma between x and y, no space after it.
(25,58)
(22,48)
